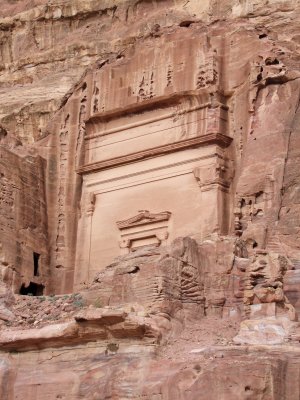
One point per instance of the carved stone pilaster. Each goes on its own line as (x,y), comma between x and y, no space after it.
(90,202)
(214,175)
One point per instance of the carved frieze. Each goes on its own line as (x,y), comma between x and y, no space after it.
(212,138)
(153,128)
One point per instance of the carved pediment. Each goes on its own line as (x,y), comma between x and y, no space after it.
(144,217)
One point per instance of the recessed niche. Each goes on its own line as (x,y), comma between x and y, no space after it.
(33,289)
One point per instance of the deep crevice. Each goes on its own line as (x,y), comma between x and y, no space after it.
(134,270)
(36,258)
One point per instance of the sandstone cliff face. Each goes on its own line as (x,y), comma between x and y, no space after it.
(149,177)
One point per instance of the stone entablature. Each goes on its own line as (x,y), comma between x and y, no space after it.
(156,127)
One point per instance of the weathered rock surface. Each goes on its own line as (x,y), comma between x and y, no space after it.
(91,372)
(149,199)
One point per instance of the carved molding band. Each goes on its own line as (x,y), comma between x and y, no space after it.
(204,140)
(169,114)
(201,98)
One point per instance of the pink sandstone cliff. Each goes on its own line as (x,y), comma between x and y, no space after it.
(149,199)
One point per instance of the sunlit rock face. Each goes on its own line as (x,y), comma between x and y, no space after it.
(149,199)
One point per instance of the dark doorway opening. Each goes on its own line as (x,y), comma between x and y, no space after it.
(36,258)
(33,289)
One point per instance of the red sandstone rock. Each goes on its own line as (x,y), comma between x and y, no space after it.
(149,199)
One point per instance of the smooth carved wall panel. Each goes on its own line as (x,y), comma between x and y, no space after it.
(162,183)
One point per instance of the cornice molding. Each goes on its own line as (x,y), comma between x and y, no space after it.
(204,140)
(200,96)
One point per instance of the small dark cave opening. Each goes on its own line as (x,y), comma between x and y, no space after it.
(33,289)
